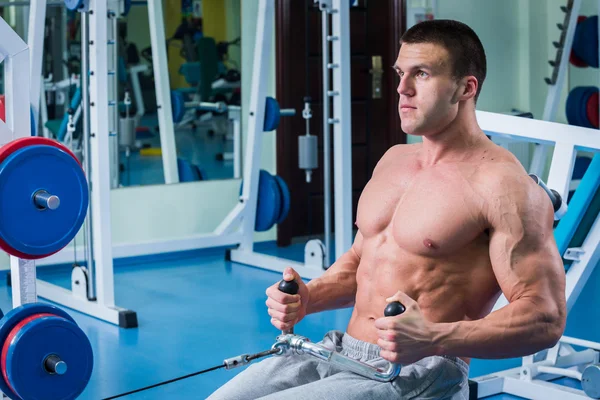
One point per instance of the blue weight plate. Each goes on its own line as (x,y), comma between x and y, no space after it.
(269,202)
(127,7)
(578,44)
(589,40)
(285,199)
(188,172)
(14,316)
(178,105)
(570,107)
(25,227)
(574,105)
(39,338)
(73,5)
(272,115)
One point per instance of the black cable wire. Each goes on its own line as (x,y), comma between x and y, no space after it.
(248,359)
(164,383)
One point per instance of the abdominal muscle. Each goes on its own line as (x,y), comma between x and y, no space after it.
(447,289)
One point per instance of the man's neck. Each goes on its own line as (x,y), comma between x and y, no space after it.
(455,142)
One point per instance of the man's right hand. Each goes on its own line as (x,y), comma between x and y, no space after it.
(286,310)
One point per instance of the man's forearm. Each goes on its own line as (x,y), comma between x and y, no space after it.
(336,288)
(521,328)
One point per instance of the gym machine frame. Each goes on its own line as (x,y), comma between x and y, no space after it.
(531,379)
(15,55)
(93,285)
(316,258)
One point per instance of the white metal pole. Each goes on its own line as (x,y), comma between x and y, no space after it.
(15,54)
(325,40)
(342,130)
(163,93)
(99,142)
(35,40)
(256,117)
(134,72)
(113,100)
(85,108)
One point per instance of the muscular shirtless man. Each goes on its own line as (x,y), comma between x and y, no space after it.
(444,226)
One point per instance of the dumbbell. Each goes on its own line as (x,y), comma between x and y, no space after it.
(45,355)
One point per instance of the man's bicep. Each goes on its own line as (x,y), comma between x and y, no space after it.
(526,267)
(523,252)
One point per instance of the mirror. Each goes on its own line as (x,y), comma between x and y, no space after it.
(204,58)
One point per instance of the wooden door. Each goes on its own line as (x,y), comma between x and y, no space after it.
(375,30)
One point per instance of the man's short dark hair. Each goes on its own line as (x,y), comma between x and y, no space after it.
(467,54)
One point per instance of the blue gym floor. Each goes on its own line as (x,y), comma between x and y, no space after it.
(194,310)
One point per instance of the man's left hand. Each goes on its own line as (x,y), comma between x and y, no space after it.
(408,337)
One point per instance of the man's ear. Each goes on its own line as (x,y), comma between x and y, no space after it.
(469,87)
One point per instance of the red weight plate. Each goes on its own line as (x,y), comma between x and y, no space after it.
(17,144)
(9,339)
(576,61)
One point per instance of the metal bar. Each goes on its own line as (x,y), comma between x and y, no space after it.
(35,41)
(112,49)
(531,130)
(66,298)
(4,4)
(561,170)
(256,117)
(99,142)
(85,109)
(161,82)
(342,131)
(581,270)
(326,135)
(541,390)
(134,72)
(580,342)
(124,250)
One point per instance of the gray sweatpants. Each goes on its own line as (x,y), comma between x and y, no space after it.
(300,377)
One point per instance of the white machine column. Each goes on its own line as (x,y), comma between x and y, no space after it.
(99,149)
(342,128)
(15,55)
(163,93)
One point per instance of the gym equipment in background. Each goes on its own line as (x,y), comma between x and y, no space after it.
(43,204)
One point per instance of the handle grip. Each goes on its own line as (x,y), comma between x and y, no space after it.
(289,287)
(394,308)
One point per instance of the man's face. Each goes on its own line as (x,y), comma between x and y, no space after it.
(427,89)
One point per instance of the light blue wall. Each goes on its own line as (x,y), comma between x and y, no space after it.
(517,36)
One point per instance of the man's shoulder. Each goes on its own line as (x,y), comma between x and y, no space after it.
(506,188)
